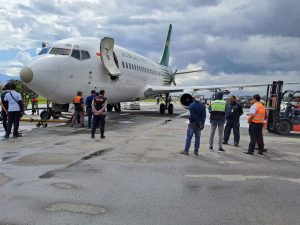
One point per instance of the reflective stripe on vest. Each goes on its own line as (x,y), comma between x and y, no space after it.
(76,99)
(260,114)
(218,105)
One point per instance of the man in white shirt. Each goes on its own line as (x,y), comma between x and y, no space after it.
(15,108)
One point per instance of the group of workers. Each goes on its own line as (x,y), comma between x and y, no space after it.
(222,112)
(96,105)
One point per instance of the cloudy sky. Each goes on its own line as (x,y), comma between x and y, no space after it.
(241,41)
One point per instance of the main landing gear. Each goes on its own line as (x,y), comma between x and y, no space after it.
(167,105)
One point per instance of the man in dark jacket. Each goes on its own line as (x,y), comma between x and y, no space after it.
(197,120)
(5,89)
(233,112)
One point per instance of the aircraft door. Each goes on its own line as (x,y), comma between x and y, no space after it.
(108,58)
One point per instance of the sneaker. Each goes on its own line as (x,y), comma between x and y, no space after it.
(196,153)
(184,152)
(260,152)
(221,150)
(93,136)
(211,148)
(225,142)
(102,136)
(249,153)
(6,136)
(236,145)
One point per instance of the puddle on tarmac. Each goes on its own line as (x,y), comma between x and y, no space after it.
(64,185)
(4,179)
(76,208)
(45,159)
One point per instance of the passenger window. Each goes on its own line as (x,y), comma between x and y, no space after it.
(85,55)
(126,65)
(76,54)
(123,64)
(129,66)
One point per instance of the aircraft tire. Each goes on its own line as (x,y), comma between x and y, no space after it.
(45,115)
(162,108)
(170,109)
(55,115)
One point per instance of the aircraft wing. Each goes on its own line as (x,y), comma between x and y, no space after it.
(154,90)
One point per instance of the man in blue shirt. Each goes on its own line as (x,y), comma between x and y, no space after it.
(89,110)
(197,120)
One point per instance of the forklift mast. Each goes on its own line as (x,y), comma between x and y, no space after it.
(273,103)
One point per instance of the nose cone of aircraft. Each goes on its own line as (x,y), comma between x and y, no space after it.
(26,75)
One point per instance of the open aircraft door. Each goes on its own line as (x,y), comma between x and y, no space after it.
(108,57)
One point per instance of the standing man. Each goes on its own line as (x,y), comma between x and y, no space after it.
(89,110)
(256,119)
(4,106)
(233,112)
(79,109)
(99,105)
(197,120)
(217,119)
(34,103)
(15,107)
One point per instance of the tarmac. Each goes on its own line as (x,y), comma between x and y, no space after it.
(59,175)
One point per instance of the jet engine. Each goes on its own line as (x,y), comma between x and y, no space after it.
(186,99)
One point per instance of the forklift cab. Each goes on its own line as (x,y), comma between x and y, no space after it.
(283,109)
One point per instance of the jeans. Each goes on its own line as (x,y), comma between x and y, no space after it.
(90,117)
(98,119)
(75,116)
(256,136)
(235,125)
(4,120)
(189,135)
(13,119)
(214,125)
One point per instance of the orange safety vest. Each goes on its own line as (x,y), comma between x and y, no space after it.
(260,114)
(34,99)
(76,99)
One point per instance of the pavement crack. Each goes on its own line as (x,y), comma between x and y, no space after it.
(52,173)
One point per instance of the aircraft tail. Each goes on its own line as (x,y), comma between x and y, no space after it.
(165,58)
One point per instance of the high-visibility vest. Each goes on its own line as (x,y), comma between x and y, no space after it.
(218,105)
(76,99)
(34,99)
(260,114)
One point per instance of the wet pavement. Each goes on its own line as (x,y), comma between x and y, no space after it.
(59,175)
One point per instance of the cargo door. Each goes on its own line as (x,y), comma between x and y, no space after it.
(108,57)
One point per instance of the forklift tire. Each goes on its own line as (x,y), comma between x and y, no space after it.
(283,127)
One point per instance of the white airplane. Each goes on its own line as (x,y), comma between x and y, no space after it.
(84,64)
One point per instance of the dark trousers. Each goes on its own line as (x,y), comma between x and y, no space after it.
(13,119)
(235,125)
(4,120)
(256,136)
(98,119)
(90,118)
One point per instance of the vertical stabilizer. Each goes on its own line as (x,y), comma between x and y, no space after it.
(165,58)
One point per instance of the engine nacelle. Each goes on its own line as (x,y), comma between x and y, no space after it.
(186,99)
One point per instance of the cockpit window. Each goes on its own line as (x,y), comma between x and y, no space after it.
(76,54)
(60,51)
(85,55)
(44,51)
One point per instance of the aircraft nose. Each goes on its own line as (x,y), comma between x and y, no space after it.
(26,75)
